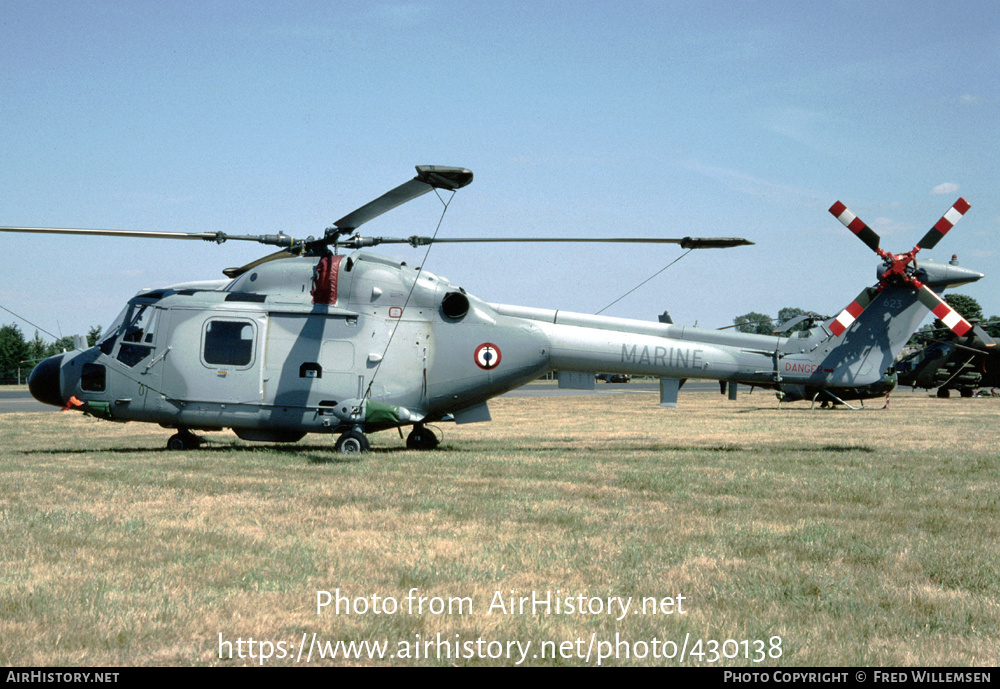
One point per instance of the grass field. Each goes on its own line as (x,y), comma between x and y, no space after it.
(795,537)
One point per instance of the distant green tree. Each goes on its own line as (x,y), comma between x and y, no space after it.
(753,322)
(13,352)
(93,335)
(37,348)
(63,344)
(967,307)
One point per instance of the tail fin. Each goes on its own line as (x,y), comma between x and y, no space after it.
(864,343)
(855,364)
(870,344)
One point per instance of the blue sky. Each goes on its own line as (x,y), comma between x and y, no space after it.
(578,118)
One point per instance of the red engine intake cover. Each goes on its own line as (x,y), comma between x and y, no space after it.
(325,283)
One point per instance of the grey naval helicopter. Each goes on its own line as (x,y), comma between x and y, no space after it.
(309,340)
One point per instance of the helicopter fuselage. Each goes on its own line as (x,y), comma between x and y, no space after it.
(328,344)
(307,340)
(275,354)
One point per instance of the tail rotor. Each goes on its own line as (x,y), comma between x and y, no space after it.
(901,270)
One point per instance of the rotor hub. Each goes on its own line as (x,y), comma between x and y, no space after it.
(900,268)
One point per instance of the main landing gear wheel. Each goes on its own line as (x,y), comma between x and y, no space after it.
(421,438)
(184,440)
(352,442)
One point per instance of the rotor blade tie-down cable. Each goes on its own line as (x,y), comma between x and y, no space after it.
(643,282)
(37,327)
(420,270)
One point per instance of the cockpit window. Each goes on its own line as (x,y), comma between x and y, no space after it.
(137,333)
(107,341)
(140,325)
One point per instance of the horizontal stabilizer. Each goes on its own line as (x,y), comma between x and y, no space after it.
(477,414)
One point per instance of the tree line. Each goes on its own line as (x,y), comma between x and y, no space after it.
(967,307)
(18,355)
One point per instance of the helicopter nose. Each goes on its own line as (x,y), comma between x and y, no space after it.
(43,383)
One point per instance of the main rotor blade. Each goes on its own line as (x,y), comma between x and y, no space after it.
(428,177)
(218,237)
(946,222)
(926,338)
(856,225)
(210,236)
(685,242)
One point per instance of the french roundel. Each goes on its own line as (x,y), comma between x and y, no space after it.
(487,356)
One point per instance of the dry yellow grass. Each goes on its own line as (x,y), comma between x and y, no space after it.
(854,538)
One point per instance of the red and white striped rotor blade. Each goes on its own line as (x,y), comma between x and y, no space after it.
(855,225)
(947,315)
(847,317)
(942,226)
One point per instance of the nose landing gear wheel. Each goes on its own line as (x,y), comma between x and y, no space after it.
(352,442)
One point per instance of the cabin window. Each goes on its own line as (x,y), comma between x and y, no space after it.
(228,343)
